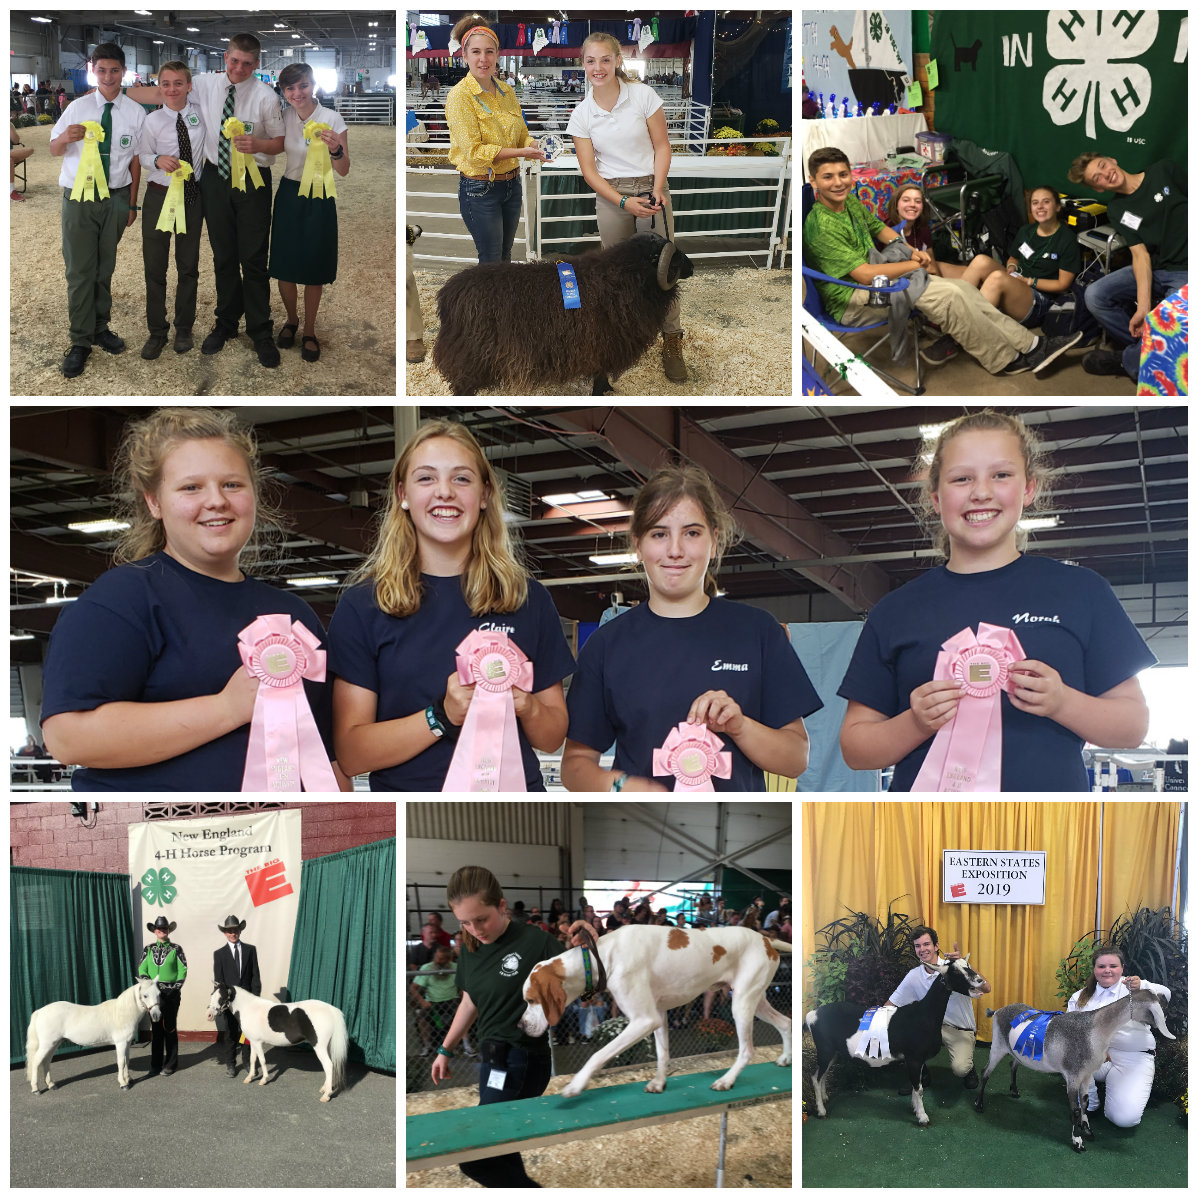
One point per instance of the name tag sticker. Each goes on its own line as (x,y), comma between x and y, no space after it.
(1131,219)
(1026,249)
(496,1079)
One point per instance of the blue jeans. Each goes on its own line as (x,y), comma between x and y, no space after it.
(526,1076)
(491,210)
(1113,300)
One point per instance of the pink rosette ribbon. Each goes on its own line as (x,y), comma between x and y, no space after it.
(965,755)
(487,757)
(693,754)
(285,748)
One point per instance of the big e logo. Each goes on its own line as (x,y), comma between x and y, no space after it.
(1095,46)
(268,882)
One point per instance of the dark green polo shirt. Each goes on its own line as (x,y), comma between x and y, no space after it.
(1155,216)
(1043,257)
(494,976)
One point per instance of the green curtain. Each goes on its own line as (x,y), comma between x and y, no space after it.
(1048,85)
(344,948)
(70,938)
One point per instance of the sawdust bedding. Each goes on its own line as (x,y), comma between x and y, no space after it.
(356,324)
(679,1154)
(737,339)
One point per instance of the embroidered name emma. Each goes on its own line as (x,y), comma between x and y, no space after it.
(718,665)
(1029,619)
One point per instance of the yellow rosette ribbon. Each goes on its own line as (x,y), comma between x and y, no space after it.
(172,218)
(316,181)
(240,163)
(89,176)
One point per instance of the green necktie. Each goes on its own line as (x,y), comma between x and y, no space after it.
(223,145)
(106,145)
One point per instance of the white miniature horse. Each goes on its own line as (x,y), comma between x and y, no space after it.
(266,1024)
(113,1023)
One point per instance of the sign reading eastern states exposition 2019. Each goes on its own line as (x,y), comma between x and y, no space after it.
(196,873)
(993,877)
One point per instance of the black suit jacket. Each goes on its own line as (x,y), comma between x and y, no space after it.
(223,969)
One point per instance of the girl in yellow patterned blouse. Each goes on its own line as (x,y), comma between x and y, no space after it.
(488,138)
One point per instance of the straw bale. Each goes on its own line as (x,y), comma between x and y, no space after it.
(737,339)
(356,324)
(679,1154)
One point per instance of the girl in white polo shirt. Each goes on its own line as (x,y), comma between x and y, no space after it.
(621,142)
(1128,1071)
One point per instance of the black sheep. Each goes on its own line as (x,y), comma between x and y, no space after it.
(503,325)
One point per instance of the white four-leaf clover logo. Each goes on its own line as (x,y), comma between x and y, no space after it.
(1094,49)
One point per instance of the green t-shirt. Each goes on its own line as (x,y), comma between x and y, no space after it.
(1043,257)
(1155,216)
(836,243)
(494,976)
(437,983)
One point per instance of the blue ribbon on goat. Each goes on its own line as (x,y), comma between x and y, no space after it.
(569,285)
(865,1023)
(1032,1038)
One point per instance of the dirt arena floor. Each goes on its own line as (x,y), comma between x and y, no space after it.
(356,325)
(679,1154)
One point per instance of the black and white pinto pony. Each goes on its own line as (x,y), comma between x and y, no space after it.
(266,1024)
(113,1023)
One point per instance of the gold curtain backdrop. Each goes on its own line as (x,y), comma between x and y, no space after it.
(862,855)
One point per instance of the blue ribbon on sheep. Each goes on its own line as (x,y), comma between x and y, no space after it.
(503,325)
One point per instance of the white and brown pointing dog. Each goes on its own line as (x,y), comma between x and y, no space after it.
(653,968)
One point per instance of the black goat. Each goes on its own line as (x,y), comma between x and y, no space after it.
(914,1033)
(503,325)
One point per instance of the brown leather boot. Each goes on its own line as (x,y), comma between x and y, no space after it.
(674,367)
(415,351)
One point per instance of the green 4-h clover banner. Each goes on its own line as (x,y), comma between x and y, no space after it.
(1047,86)
(197,872)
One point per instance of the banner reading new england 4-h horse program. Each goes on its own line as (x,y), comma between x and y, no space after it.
(196,873)
(1047,86)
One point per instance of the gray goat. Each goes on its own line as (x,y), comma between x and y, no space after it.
(1075,1046)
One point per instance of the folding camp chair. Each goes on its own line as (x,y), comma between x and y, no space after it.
(814,304)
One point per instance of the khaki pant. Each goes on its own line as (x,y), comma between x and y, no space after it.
(617,225)
(960,1043)
(980,328)
(413,322)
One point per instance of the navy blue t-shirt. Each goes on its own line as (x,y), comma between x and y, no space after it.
(153,631)
(638,675)
(405,661)
(1067,617)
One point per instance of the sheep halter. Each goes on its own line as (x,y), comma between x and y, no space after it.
(966,753)
(487,757)
(285,747)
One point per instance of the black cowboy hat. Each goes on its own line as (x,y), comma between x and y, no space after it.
(232,925)
(162,923)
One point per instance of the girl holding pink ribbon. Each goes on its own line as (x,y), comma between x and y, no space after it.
(449,658)
(989,673)
(689,685)
(145,687)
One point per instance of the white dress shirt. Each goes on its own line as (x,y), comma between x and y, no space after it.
(254,104)
(160,136)
(127,120)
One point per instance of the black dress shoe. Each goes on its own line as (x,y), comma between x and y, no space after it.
(217,339)
(75,361)
(971,1082)
(107,340)
(268,355)
(154,346)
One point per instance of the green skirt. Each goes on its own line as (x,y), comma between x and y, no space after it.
(304,237)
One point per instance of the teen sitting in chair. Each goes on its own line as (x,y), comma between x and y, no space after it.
(1149,210)
(1041,266)
(839,235)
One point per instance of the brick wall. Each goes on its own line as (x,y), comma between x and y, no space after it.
(44,834)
